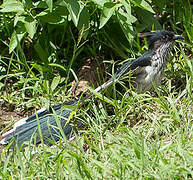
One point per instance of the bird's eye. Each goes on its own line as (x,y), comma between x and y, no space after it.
(165,37)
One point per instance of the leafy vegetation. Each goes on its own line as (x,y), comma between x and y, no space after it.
(129,135)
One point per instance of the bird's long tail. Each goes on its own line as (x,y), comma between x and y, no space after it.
(43,124)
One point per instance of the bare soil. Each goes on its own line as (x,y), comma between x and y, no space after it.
(7,116)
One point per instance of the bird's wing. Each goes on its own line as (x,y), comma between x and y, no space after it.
(142,61)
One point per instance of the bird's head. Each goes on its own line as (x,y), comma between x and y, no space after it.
(159,38)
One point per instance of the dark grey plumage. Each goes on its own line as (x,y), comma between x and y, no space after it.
(148,69)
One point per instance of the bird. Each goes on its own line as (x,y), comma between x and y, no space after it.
(148,70)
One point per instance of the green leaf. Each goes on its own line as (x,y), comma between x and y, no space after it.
(30,25)
(79,15)
(12,6)
(83,23)
(12,75)
(102,97)
(129,19)
(57,65)
(55,83)
(74,8)
(143,4)
(127,6)
(18,18)
(126,24)
(57,16)
(100,2)
(46,86)
(116,38)
(16,38)
(137,152)
(41,53)
(147,20)
(160,4)
(50,4)
(40,68)
(1,85)
(40,4)
(108,11)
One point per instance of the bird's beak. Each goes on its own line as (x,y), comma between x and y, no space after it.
(176,37)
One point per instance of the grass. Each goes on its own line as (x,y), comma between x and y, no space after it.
(158,146)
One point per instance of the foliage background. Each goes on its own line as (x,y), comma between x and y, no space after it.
(44,43)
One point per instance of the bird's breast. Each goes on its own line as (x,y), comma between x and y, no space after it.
(147,76)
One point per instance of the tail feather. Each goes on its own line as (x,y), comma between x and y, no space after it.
(24,129)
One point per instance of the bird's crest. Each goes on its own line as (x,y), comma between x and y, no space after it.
(147,34)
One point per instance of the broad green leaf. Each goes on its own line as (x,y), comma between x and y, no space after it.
(108,11)
(74,7)
(127,5)
(28,4)
(16,38)
(128,19)
(12,6)
(79,14)
(41,53)
(55,83)
(126,24)
(19,18)
(147,20)
(30,25)
(57,16)
(83,23)
(40,4)
(50,4)
(143,4)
